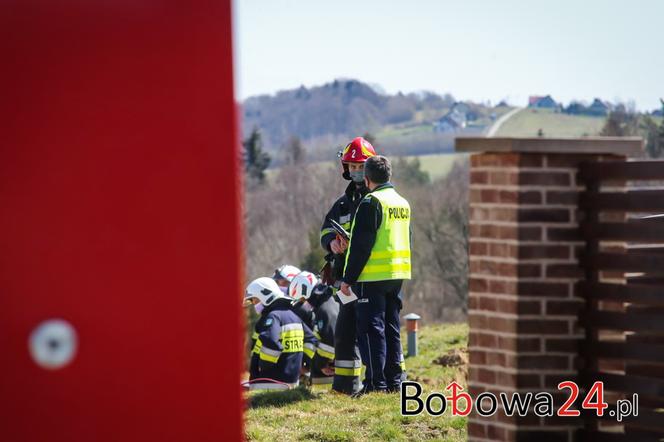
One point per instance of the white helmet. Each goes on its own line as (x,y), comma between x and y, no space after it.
(287,272)
(264,289)
(302,285)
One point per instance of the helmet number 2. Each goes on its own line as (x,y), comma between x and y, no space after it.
(352,153)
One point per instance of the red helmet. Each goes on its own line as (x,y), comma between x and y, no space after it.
(357,151)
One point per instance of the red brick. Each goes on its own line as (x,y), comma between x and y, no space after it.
(476,429)
(561,345)
(503,178)
(478,248)
(522,307)
(543,326)
(473,302)
(529,270)
(530,197)
(544,215)
(545,435)
(544,178)
(563,234)
(502,287)
(564,271)
(489,304)
(562,197)
(495,358)
(492,214)
(484,376)
(519,343)
(554,289)
(477,177)
(521,380)
(496,268)
(476,357)
(531,160)
(537,251)
(502,250)
(543,362)
(496,433)
(568,307)
(478,285)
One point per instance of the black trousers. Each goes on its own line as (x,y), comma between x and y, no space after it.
(378,328)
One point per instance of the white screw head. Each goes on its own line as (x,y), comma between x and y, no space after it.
(53,344)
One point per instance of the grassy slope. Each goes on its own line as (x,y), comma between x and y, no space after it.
(529,121)
(320,415)
(438,165)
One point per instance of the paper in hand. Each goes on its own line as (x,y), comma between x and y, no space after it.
(345,299)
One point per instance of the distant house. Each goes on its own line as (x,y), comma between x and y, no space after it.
(576,108)
(598,108)
(453,121)
(545,102)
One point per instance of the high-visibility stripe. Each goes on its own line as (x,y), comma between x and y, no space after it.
(257,347)
(326,351)
(309,349)
(385,268)
(269,355)
(254,335)
(390,254)
(326,230)
(355,372)
(402,362)
(348,368)
(317,335)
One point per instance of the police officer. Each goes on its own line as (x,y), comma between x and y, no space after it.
(348,366)
(281,340)
(377,262)
(307,288)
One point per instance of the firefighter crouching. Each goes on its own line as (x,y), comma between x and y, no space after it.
(308,289)
(280,339)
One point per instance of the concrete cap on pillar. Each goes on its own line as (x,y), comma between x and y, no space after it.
(581,145)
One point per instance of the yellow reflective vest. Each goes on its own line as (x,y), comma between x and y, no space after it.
(390,255)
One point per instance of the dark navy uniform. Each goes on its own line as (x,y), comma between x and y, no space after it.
(281,340)
(348,366)
(378,260)
(326,310)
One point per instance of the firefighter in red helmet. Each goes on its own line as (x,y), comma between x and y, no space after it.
(347,365)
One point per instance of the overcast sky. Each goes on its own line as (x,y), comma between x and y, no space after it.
(474,49)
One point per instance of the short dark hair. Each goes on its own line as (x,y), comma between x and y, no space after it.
(378,169)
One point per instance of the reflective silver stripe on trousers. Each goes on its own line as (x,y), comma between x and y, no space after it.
(326,380)
(310,346)
(347,364)
(325,347)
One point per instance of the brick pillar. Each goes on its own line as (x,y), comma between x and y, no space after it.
(524,245)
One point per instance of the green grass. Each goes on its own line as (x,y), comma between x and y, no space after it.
(320,415)
(438,165)
(527,123)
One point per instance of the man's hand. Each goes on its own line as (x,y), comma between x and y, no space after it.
(345,289)
(338,246)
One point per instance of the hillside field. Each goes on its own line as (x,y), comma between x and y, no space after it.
(527,123)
